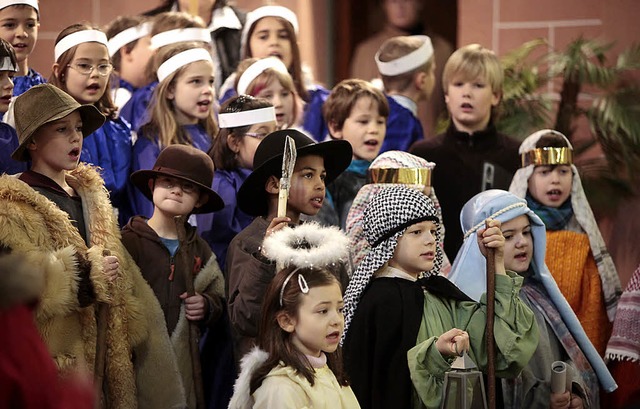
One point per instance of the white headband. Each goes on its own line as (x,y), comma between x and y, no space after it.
(408,62)
(246,118)
(126,36)
(79,37)
(258,68)
(7,3)
(180,35)
(262,12)
(180,60)
(7,65)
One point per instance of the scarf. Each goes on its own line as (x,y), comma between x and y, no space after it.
(359,166)
(624,344)
(554,218)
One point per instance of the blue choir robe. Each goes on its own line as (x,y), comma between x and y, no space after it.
(403,128)
(135,110)
(122,92)
(24,82)
(8,144)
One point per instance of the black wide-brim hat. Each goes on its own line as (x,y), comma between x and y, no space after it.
(185,163)
(252,196)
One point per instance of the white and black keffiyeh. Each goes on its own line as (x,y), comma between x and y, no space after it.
(386,217)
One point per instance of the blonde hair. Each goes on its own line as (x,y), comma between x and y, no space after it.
(473,61)
(162,121)
(397,47)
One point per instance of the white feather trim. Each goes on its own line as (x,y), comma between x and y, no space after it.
(241,390)
(308,244)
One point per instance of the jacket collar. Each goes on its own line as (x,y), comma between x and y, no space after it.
(485,138)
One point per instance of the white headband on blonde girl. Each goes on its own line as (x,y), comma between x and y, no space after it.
(79,37)
(126,36)
(246,118)
(180,35)
(257,68)
(408,62)
(180,60)
(7,3)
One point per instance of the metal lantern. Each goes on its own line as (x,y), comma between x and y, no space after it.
(463,386)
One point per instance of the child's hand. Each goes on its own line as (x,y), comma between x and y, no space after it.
(576,402)
(110,266)
(491,237)
(560,400)
(276,224)
(453,342)
(194,306)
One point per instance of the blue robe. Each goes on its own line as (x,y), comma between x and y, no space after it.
(145,153)
(403,128)
(24,82)
(135,110)
(219,228)
(122,92)
(8,144)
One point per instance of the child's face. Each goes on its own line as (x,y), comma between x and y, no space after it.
(56,146)
(551,185)
(283,100)
(364,129)
(87,88)
(19,26)
(306,194)
(320,321)
(402,13)
(192,93)
(518,245)
(175,197)
(245,146)
(6,89)
(416,249)
(134,63)
(470,102)
(271,39)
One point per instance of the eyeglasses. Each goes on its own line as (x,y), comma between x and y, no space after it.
(170,183)
(87,69)
(257,135)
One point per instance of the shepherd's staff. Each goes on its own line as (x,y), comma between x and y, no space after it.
(288,163)
(491,304)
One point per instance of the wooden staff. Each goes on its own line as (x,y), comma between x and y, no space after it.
(101,345)
(194,331)
(491,305)
(193,7)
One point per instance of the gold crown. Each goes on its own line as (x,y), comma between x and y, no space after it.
(547,156)
(405,176)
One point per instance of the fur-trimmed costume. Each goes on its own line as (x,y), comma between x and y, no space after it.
(140,367)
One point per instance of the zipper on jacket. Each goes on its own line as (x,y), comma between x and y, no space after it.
(172,268)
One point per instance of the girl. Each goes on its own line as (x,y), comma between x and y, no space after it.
(181,110)
(271,31)
(8,137)
(561,335)
(299,363)
(83,69)
(244,121)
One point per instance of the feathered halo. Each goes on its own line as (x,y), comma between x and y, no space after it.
(307,245)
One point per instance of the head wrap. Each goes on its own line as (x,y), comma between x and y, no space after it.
(624,344)
(608,274)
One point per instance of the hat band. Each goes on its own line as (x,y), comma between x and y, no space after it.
(7,3)
(79,37)
(407,62)
(547,156)
(180,60)
(403,226)
(405,176)
(126,36)
(6,64)
(258,68)
(180,35)
(246,118)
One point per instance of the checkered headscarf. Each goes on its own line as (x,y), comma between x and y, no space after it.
(386,217)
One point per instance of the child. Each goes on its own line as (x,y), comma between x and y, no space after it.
(82,69)
(407,67)
(356,112)
(130,51)
(268,78)
(244,122)
(8,137)
(576,254)
(58,215)
(387,170)
(395,320)
(272,31)
(561,335)
(471,156)
(179,185)
(19,24)
(181,111)
(299,364)
(248,272)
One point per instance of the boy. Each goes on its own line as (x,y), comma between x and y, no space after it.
(388,310)
(356,112)
(471,155)
(58,215)
(178,185)
(8,136)
(576,254)
(407,67)
(248,272)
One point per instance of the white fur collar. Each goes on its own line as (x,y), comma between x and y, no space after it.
(241,390)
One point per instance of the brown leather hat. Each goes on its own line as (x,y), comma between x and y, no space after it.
(186,163)
(46,103)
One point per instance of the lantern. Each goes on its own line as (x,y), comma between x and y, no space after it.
(463,386)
